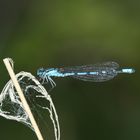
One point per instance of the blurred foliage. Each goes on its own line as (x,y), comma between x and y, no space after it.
(64,33)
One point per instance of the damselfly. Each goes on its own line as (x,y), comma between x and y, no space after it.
(94,73)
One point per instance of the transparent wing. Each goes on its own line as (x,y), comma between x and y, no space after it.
(108,67)
(90,68)
(108,64)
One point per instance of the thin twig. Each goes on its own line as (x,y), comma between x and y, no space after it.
(23,100)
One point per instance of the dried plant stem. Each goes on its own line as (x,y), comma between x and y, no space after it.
(23,100)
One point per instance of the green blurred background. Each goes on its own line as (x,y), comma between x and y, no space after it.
(65,33)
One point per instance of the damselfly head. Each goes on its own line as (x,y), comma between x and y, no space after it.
(40,71)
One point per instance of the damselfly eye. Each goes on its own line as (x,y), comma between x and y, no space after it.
(40,71)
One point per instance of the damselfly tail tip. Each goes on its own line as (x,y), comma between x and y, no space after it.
(128,70)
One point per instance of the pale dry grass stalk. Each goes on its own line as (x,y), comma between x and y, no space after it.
(23,100)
